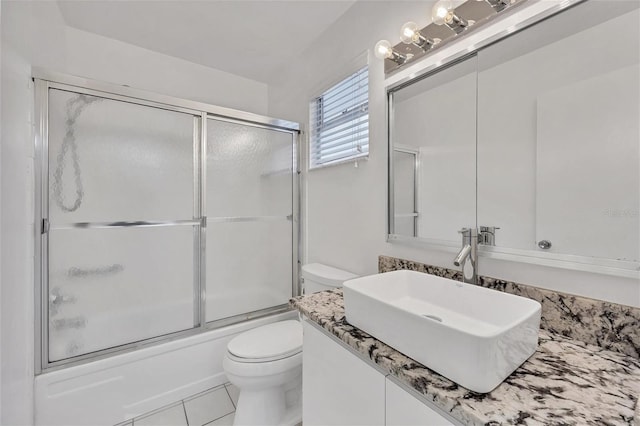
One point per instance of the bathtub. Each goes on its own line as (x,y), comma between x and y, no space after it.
(114,389)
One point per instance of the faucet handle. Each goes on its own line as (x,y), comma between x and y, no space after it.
(464,231)
(491,229)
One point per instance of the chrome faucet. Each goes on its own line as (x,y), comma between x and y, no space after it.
(469,251)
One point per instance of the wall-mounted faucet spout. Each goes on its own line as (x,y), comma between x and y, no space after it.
(469,251)
(462,256)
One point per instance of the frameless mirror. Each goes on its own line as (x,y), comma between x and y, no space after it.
(557,109)
(434,154)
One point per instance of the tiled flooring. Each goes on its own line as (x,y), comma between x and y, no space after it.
(214,407)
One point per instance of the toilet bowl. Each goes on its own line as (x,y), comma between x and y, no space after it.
(265,363)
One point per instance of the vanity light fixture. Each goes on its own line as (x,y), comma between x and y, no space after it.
(383,50)
(498,5)
(410,34)
(443,13)
(451,19)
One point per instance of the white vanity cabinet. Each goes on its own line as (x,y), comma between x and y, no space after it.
(340,388)
(403,409)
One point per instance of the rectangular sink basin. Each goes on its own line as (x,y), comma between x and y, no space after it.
(474,336)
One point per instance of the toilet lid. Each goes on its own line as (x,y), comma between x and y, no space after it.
(271,341)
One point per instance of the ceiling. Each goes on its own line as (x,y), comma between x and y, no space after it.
(249,38)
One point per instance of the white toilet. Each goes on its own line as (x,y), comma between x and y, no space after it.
(265,363)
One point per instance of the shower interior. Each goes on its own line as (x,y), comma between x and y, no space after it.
(158,218)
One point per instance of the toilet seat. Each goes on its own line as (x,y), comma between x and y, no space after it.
(271,342)
(257,370)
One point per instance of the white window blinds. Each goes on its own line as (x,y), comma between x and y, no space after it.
(339,122)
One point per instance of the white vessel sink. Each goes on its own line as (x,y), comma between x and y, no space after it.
(472,335)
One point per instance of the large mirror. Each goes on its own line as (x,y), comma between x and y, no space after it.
(535,138)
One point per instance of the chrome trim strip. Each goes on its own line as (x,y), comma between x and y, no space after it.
(119,98)
(249,219)
(295,200)
(128,224)
(223,322)
(391,222)
(225,119)
(203,214)
(168,101)
(40,210)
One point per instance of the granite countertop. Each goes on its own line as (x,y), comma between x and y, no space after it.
(564,382)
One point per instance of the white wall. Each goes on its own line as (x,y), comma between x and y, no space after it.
(344,211)
(34,34)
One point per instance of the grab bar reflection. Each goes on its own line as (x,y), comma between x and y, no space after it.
(75,272)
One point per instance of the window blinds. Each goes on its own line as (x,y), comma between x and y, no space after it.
(339,122)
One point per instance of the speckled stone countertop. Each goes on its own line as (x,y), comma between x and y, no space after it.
(564,382)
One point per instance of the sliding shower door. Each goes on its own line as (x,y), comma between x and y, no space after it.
(250,175)
(156,218)
(123,223)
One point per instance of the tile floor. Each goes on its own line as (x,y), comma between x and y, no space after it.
(214,407)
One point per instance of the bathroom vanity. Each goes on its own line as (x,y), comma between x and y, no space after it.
(341,388)
(352,378)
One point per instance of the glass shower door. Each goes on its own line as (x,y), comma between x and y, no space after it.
(250,173)
(123,223)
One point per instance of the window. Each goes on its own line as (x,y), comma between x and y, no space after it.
(339,122)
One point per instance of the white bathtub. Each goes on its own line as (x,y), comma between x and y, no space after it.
(108,391)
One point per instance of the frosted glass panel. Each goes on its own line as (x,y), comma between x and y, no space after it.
(248,267)
(108,287)
(117,161)
(248,170)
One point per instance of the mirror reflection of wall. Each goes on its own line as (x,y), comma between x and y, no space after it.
(436,117)
(405,166)
(558,134)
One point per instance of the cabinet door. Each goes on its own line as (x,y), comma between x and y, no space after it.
(338,387)
(404,409)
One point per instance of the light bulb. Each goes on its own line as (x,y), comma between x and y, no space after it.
(383,50)
(409,33)
(442,12)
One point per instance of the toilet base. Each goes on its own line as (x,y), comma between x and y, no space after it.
(269,407)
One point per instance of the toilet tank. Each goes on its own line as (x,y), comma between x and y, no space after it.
(319,277)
